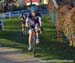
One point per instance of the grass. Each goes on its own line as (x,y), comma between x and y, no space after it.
(49,47)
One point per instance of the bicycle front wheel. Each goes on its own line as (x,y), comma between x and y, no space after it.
(34,44)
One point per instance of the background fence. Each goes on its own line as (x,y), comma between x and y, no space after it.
(17,13)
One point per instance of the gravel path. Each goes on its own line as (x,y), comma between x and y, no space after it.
(11,55)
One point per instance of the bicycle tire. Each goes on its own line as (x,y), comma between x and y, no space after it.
(34,52)
(34,46)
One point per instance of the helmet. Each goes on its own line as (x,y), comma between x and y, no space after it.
(33,9)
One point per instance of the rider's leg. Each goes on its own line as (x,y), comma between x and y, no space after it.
(30,39)
(22,27)
(37,37)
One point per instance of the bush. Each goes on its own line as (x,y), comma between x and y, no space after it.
(15,8)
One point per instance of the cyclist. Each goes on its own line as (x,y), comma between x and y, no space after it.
(33,20)
(1,25)
(23,21)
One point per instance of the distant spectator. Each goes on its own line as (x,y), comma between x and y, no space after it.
(1,25)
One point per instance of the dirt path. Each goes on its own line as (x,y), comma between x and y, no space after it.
(11,55)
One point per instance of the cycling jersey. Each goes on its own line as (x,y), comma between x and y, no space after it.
(32,21)
(23,18)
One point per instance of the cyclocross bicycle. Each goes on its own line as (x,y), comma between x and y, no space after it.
(34,40)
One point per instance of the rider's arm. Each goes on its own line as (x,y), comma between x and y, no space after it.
(26,22)
(40,21)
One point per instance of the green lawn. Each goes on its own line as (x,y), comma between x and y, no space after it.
(49,47)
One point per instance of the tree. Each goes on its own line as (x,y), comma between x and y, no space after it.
(31,2)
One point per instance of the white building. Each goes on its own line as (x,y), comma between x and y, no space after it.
(45,2)
(36,2)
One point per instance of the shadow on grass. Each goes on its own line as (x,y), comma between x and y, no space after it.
(52,49)
(13,39)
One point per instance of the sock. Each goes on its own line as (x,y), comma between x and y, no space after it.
(37,36)
(30,45)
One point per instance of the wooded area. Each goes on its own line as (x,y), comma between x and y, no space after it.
(65,19)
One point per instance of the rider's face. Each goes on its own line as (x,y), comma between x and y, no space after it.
(33,13)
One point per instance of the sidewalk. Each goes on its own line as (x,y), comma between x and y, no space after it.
(11,55)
